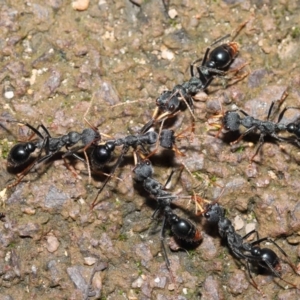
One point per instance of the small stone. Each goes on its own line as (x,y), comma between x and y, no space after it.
(167,54)
(9,94)
(28,211)
(29,229)
(238,223)
(80,4)
(172,13)
(293,240)
(132,295)
(137,283)
(201,96)
(90,261)
(52,243)
(249,227)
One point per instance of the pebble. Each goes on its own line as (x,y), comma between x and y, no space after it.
(28,210)
(238,223)
(75,275)
(167,54)
(9,95)
(90,261)
(249,227)
(172,13)
(132,295)
(52,243)
(80,4)
(137,283)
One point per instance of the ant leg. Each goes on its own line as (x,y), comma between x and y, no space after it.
(270,110)
(197,60)
(243,134)
(124,151)
(162,239)
(260,143)
(284,110)
(36,162)
(32,128)
(279,248)
(218,40)
(285,94)
(250,233)
(149,124)
(189,106)
(235,32)
(235,71)
(277,273)
(252,279)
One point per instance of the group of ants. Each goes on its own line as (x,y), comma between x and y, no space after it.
(87,147)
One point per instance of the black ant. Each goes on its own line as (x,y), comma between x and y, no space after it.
(214,64)
(182,228)
(232,120)
(2,216)
(102,153)
(250,252)
(21,152)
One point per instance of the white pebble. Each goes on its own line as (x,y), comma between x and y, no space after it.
(9,94)
(167,54)
(80,4)
(52,243)
(172,13)
(238,223)
(90,261)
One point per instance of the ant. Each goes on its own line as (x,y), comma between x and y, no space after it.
(21,152)
(102,153)
(215,63)
(250,252)
(182,228)
(232,121)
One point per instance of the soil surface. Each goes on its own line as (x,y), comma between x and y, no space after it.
(107,64)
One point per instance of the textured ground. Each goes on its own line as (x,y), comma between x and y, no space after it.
(54,60)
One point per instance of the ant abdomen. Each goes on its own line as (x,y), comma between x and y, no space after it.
(293,128)
(101,154)
(182,228)
(20,153)
(222,56)
(267,256)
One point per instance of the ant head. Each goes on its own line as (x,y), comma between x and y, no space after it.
(20,153)
(214,212)
(143,170)
(222,56)
(173,104)
(232,120)
(162,100)
(89,136)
